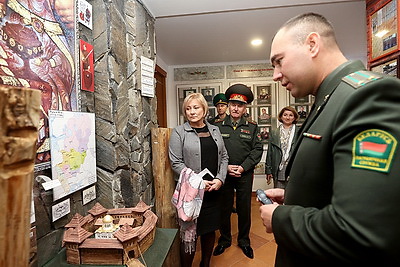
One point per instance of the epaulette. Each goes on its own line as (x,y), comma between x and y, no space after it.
(361,78)
(250,120)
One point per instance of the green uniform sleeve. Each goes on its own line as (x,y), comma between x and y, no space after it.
(362,220)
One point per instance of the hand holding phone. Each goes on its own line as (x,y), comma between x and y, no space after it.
(262,197)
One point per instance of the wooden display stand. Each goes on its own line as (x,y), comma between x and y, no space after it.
(19,119)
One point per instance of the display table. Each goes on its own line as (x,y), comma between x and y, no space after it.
(154,255)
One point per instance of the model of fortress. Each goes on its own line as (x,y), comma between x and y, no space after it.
(121,234)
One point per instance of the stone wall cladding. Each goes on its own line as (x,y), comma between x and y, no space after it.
(123,31)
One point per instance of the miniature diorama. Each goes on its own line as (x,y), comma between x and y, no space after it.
(109,236)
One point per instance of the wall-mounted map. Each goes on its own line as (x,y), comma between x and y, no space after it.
(73,150)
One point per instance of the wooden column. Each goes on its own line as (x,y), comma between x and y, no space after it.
(19,120)
(164,182)
(164,185)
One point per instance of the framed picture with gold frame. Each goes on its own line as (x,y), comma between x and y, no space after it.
(383,30)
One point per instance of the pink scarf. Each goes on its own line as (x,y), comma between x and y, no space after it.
(187,198)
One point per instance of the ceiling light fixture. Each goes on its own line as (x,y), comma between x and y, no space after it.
(256,42)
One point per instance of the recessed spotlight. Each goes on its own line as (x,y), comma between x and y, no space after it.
(256,42)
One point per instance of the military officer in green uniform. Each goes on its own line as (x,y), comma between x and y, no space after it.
(341,205)
(244,147)
(221,105)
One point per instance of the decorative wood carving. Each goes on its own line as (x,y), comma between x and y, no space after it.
(19,119)
(128,242)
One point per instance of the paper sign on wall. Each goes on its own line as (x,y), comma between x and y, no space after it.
(147,76)
(85,15)
(61,209)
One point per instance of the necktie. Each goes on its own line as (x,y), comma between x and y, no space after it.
(234,125)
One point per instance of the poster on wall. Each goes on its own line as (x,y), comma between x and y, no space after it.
(40,55)
(73,151)
(85,13)
(86,66)
(383,34)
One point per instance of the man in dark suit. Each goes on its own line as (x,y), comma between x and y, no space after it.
(342,200)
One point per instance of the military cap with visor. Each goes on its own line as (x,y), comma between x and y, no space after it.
(240,93)
(220,99)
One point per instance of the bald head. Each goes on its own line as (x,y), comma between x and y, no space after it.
(302,25)
(304,52)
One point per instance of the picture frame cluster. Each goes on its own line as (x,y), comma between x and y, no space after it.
(207,90)
(302,105)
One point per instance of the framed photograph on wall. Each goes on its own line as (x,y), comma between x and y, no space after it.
(383,30)
(302,105)
(306,100)
(249,113)
(208,94)
(301,100)
(187,92)
(263,94)
(264,115)
(264,132)
(302,110)
(184,91)
(389,68)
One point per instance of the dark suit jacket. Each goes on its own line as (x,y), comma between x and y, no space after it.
(342,201)
(274,155)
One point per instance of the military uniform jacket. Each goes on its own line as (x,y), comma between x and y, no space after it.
(243,144)
(342,200)
(213,120)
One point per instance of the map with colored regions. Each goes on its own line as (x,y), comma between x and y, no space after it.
(73,150)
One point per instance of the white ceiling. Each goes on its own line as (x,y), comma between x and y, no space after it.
(194,32)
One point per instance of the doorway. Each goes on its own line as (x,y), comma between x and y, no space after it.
(161,76)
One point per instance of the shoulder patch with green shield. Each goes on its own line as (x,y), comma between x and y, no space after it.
(373,149)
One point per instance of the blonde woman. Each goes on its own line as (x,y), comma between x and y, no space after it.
(197,145)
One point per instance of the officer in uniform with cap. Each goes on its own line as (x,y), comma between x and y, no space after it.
(244,149)
(221,104)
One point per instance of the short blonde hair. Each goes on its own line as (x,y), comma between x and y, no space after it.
(291,109)
(195,96)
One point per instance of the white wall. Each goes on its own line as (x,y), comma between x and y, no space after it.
(172,97)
